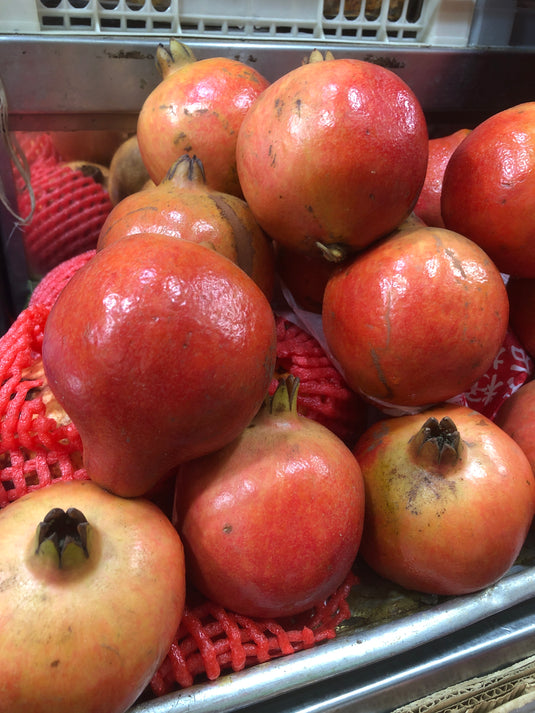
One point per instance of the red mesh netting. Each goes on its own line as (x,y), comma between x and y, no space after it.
(211,639)
(39,445)
(323,394)
(35,145)
(70,209)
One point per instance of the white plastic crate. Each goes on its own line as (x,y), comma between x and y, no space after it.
(413,22)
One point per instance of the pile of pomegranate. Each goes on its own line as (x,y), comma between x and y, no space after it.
(288,333)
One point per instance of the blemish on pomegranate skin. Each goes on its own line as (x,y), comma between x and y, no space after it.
(273,155)
(55,663)
(380,373)
(227,529)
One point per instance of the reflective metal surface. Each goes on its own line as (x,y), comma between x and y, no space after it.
(55,82)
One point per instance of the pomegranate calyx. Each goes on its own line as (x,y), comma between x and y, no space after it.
(171,59)
(63,531)
(438,441)
(316,56)
(187,169)
(334,252)
(284,400)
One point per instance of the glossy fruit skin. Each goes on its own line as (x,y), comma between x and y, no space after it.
(271,523)
(198,109)
(305,275)
(440,150)
(88,639)
(517,418)
(438,528)
(333,151)
(521,293)
(417,318)
(183,206)
(159,350)
(489,189)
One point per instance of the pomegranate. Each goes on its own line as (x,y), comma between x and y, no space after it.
(127,172)
(306,275)
(488,191)
(450,498)
(516,417)
(416,318)
(440,150)
(183,206)
(160,350)
(333,152)
(271,523)
(92,593)
(197,108)
(521,293)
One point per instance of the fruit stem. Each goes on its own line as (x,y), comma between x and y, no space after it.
(64,531)
(284,400)
(169,60)
(335,252)
(439,442)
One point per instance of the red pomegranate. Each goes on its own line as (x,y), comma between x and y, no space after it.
(416,318)
(440,150)
(183,206)
(334,152)
(517,418)
(521,293)
(271,524)
(450,498)
(197,108)
(160,350)
(488,192)
(305,275)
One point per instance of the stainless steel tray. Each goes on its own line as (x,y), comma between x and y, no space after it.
(359,646)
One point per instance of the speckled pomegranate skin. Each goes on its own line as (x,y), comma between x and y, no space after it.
(159,350)
(198,109)
(416,318)
(334,151)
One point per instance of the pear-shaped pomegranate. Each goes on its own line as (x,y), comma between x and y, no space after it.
(183,206)
(198,107)
(160,350)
